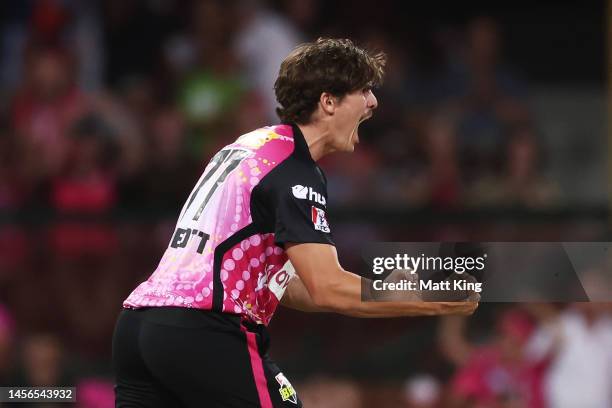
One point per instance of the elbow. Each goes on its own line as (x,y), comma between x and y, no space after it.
(322,300)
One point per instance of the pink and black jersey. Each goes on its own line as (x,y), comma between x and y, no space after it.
(226,253)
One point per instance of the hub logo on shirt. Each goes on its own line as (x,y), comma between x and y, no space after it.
(307,193)
(319,220)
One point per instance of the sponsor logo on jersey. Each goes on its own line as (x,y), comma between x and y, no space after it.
(307,193)
(319,220)
(278,282)
(286,390)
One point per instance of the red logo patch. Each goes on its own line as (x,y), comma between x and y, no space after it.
(319,220)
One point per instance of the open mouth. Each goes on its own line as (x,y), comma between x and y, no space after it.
(361,120)
(365,117)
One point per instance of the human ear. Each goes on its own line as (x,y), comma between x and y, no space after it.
(328,103)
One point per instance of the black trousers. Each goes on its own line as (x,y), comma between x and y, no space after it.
(179,357)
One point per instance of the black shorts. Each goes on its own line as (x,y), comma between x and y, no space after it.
(179,357)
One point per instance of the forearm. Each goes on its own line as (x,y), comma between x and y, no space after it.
(297,297)
(331,288)
(343,295)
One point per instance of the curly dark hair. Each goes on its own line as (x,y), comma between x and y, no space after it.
(329,65)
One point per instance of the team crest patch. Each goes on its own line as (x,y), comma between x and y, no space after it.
(286,390)
(319,220)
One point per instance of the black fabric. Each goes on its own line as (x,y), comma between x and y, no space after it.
(291,200)
(179,357)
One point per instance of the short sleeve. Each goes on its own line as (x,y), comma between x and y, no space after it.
(300,219)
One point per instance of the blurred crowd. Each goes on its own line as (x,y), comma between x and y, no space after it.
(115,107)
(537,355)
(120,104)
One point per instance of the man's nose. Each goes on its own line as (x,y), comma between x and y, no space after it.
(372,102)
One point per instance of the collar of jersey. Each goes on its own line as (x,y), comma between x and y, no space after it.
(301,149)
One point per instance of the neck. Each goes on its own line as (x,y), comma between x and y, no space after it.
(316,136)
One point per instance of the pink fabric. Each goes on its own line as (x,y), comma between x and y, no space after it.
(184,277)
(284,130)
(258,372)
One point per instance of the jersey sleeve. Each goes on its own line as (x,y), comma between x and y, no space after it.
(299,218)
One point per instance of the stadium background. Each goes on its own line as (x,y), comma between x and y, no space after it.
(491,127)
